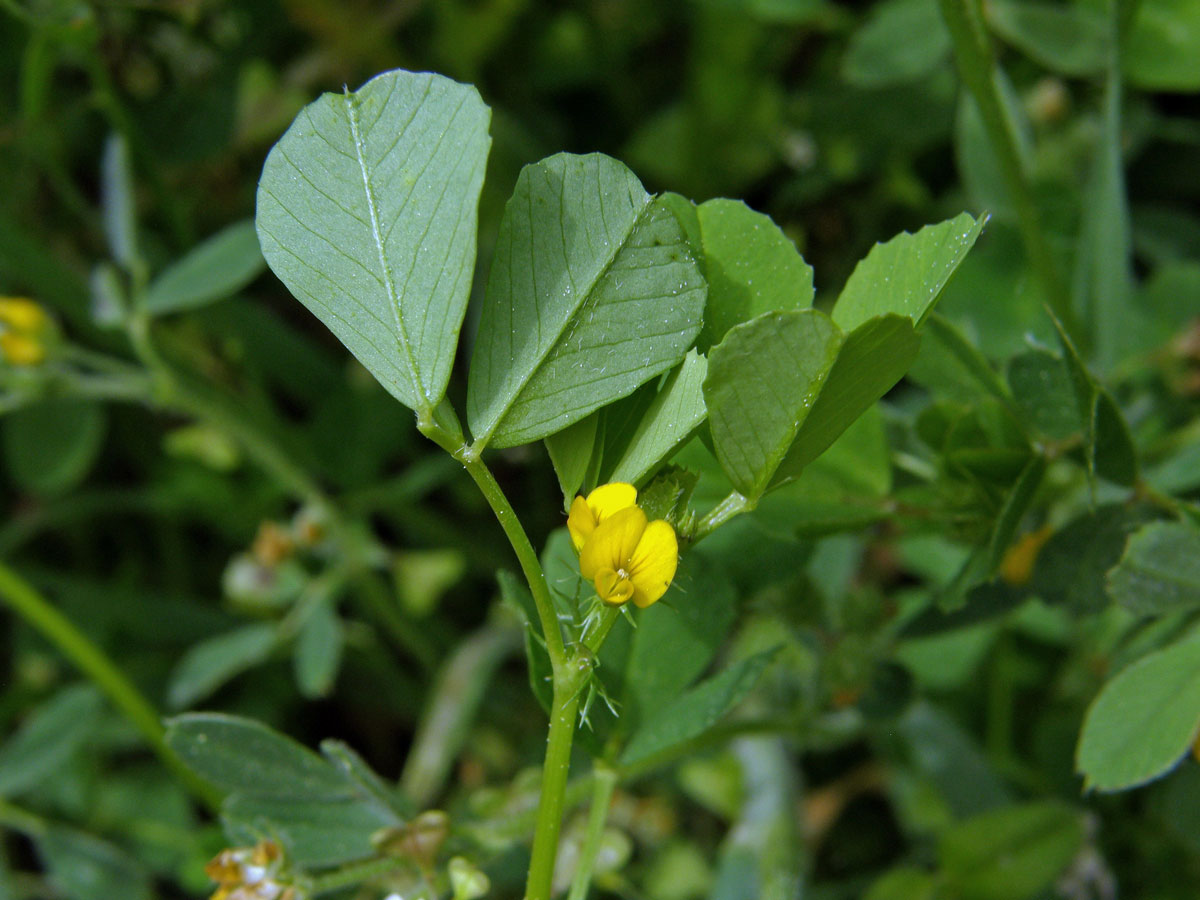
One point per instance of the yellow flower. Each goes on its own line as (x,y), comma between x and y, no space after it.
(20,349)
(1017,565)
(24,326)
(601,503)
(22,314)
(627,558)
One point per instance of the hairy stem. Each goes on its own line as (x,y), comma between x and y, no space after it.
(554,783)
(731,507)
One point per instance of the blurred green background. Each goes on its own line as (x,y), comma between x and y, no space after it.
(154,528)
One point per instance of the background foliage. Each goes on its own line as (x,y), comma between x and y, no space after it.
(916,632)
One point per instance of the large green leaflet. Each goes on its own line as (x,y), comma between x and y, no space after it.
(763,379)
(752,267)
(592,292)
(367,212)
(905,275)
(1010,853)
(1144,719)
(1159,572)
(869,363)
(782,387)
(674,414)
(325,810)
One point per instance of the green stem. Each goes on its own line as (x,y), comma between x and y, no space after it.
(594,636)
(554,782)
(17,819)
(531,566)
(732,506)
(94,663)
(602,791)
(978,68)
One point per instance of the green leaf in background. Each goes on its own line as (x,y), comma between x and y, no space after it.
(675,413)
(1070,38)
(871,359)
(1113,453)
(118,203)
(216,269)
(1109,448)
(367,212)
(846,487)
(208,665)
(948,757)
(355,768)
(51,734)
(1160,571)
(1143,720)
(1070,568)
(1103,278)
(764,854)
(245,756)
(318,653)
(1011,853)
(83,867)
(1016,504)
(50,446)
(1163,45)
(904,883)
(593,291)
(1044,394)
(675,641)
(951,366)
(905,275)
(317,833)
(981,170)
(763,380)
(560,562)
(752,267)
(571,453)
(424,576)
(514,593)
(277,787)
(902,40)
(697,710)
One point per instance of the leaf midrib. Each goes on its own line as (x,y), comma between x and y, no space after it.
(402,339)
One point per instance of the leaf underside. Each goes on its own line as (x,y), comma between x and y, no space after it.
(367,211)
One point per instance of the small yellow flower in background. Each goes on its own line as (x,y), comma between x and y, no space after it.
(1016,567)
(22,314)
(24,327)
(600,504)
(628,558)
(249,873)
(21,350)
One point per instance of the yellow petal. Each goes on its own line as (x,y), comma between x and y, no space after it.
(22,314)
(20,349)
(611,498)
(612,588)
(581,522)
(612,543)
(653,563)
